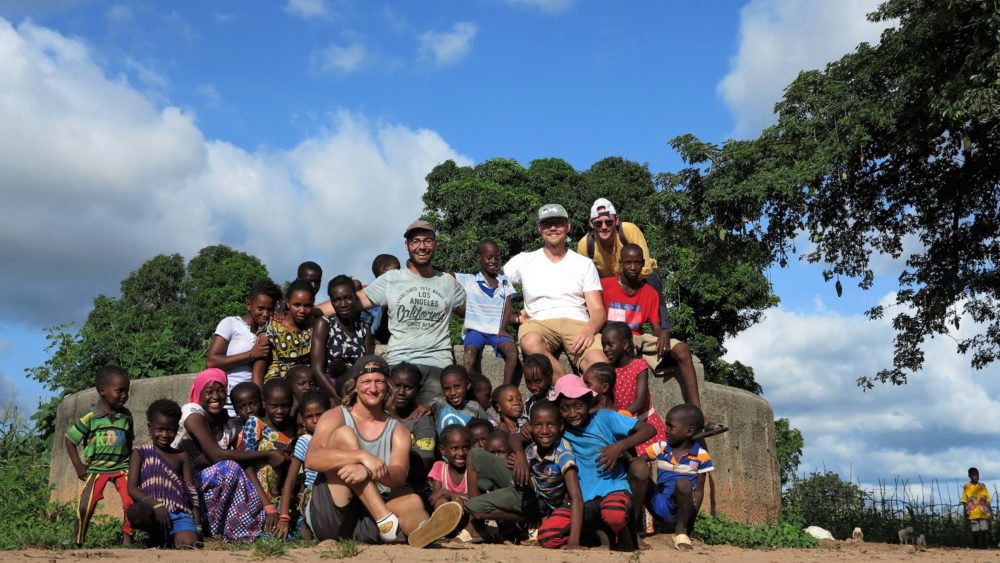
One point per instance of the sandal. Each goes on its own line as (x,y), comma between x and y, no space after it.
(711,429)
(682,542)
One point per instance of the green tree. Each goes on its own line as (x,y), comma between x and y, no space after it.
(893,143)
(788,444)
(161,324)
(715,288)
(824,500)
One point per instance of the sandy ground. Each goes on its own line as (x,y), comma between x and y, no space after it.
(661,550)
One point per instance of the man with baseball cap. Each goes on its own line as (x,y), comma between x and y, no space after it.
(419,301)
(563,309)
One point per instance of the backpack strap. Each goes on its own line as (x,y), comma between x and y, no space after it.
(590,240)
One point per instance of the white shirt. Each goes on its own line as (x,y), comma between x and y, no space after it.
(554,290)
(241,340)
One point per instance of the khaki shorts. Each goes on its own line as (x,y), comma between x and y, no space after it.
(645,345)
(558,334)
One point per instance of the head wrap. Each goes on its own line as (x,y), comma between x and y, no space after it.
(204,378)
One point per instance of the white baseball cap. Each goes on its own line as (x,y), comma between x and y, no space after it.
(598,204)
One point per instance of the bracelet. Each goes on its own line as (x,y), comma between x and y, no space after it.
(270,509)
(284,518)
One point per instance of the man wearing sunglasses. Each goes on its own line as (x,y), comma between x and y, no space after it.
(563,307)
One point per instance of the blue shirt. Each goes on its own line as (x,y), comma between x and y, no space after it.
(605,428)
(547,472)
(301,447)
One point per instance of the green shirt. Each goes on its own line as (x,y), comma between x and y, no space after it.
(106,437)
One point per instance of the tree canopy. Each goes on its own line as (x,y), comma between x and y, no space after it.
(892,144)
(715,284)
(161,324)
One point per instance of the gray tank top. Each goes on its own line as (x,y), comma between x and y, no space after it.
(379,447)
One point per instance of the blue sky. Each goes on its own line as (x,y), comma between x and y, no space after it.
(281,127)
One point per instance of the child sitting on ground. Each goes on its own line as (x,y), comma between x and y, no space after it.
(275,431)
(482,390)
(507,403)
(405,378)
(160,482)
(488,310)
(312,405)
(498,443)
(631,391)
(600,378)
(681,466)
(976,503)
(106,433)
(455,407)
(598,440)
(555,479)
(454,477)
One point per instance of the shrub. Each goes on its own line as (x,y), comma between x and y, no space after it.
(719,530)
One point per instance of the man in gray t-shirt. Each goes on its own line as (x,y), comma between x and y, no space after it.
(419,301)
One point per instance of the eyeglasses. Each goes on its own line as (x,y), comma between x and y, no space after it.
(552,224)
(421,242)
(598,223)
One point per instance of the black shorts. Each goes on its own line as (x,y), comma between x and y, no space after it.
(331,522)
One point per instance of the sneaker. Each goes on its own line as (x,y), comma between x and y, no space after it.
(441,523)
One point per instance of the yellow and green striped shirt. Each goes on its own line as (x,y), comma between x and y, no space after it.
(106,437)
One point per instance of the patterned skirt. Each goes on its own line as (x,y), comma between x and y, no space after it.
(232,509)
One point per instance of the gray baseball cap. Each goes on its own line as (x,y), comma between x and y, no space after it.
(418,225)
(552,211)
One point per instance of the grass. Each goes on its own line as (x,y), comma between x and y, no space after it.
(345,549)
(267,548)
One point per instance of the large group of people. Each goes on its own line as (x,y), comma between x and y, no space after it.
(295,428)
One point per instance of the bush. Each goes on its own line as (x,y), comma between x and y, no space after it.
(719,530)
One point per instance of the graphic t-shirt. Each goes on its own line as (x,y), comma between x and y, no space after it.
(418,310)
(976,498)
(633,310)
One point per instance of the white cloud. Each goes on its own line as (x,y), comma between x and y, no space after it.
(445,48)
(550,6)
(340,59)
(97,179)
(307,8)
(119,13)
(780,38)
(146,74)
(946,418)
(209,95)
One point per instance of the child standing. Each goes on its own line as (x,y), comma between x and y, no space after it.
(976,502)
(487,311)
(600,378)
(275,431)
(455,407)
(681,468)
(106,433)
(506,400)
(631,391)
(598,440)
(160,482)
(312,405)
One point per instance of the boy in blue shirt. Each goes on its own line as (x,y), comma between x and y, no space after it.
(681,466)
(487,311)
(598,440)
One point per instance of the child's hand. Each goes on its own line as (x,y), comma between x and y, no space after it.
(521,473)
(419,410)
(81,473)
(275,458)
(281,532)
(262,348)
(572,545)
(162,517)
(526,433)
(609,456)
(271,522)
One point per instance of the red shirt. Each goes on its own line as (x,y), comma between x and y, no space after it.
(633,310)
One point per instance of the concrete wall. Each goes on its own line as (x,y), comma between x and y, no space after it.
(745,484)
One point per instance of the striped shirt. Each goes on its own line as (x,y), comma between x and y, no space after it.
(484,304)
(669,468)
(547,472)
(106,438)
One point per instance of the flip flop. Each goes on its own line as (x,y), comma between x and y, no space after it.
(682,542)
(711,429)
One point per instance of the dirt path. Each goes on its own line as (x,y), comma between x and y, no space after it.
(661,551)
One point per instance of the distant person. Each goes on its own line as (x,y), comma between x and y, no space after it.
(339,339)
(161,485)
(680,479)
(290,339)
(563,308)
(235,345)
(487,311)
(106,433)
(976,503)
(308,272)
(420,301)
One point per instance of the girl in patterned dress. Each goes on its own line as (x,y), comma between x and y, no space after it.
(631,392)
(274,432)
(160,482)
(339,339)
(290,338)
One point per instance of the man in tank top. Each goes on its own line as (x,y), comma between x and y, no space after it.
(362,455)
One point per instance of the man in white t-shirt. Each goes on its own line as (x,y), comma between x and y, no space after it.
(563,308)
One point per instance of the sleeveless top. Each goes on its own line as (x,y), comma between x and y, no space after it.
(158,480)
(341,345)
(379,447)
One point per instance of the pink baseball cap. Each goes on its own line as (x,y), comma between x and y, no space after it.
(572,387)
